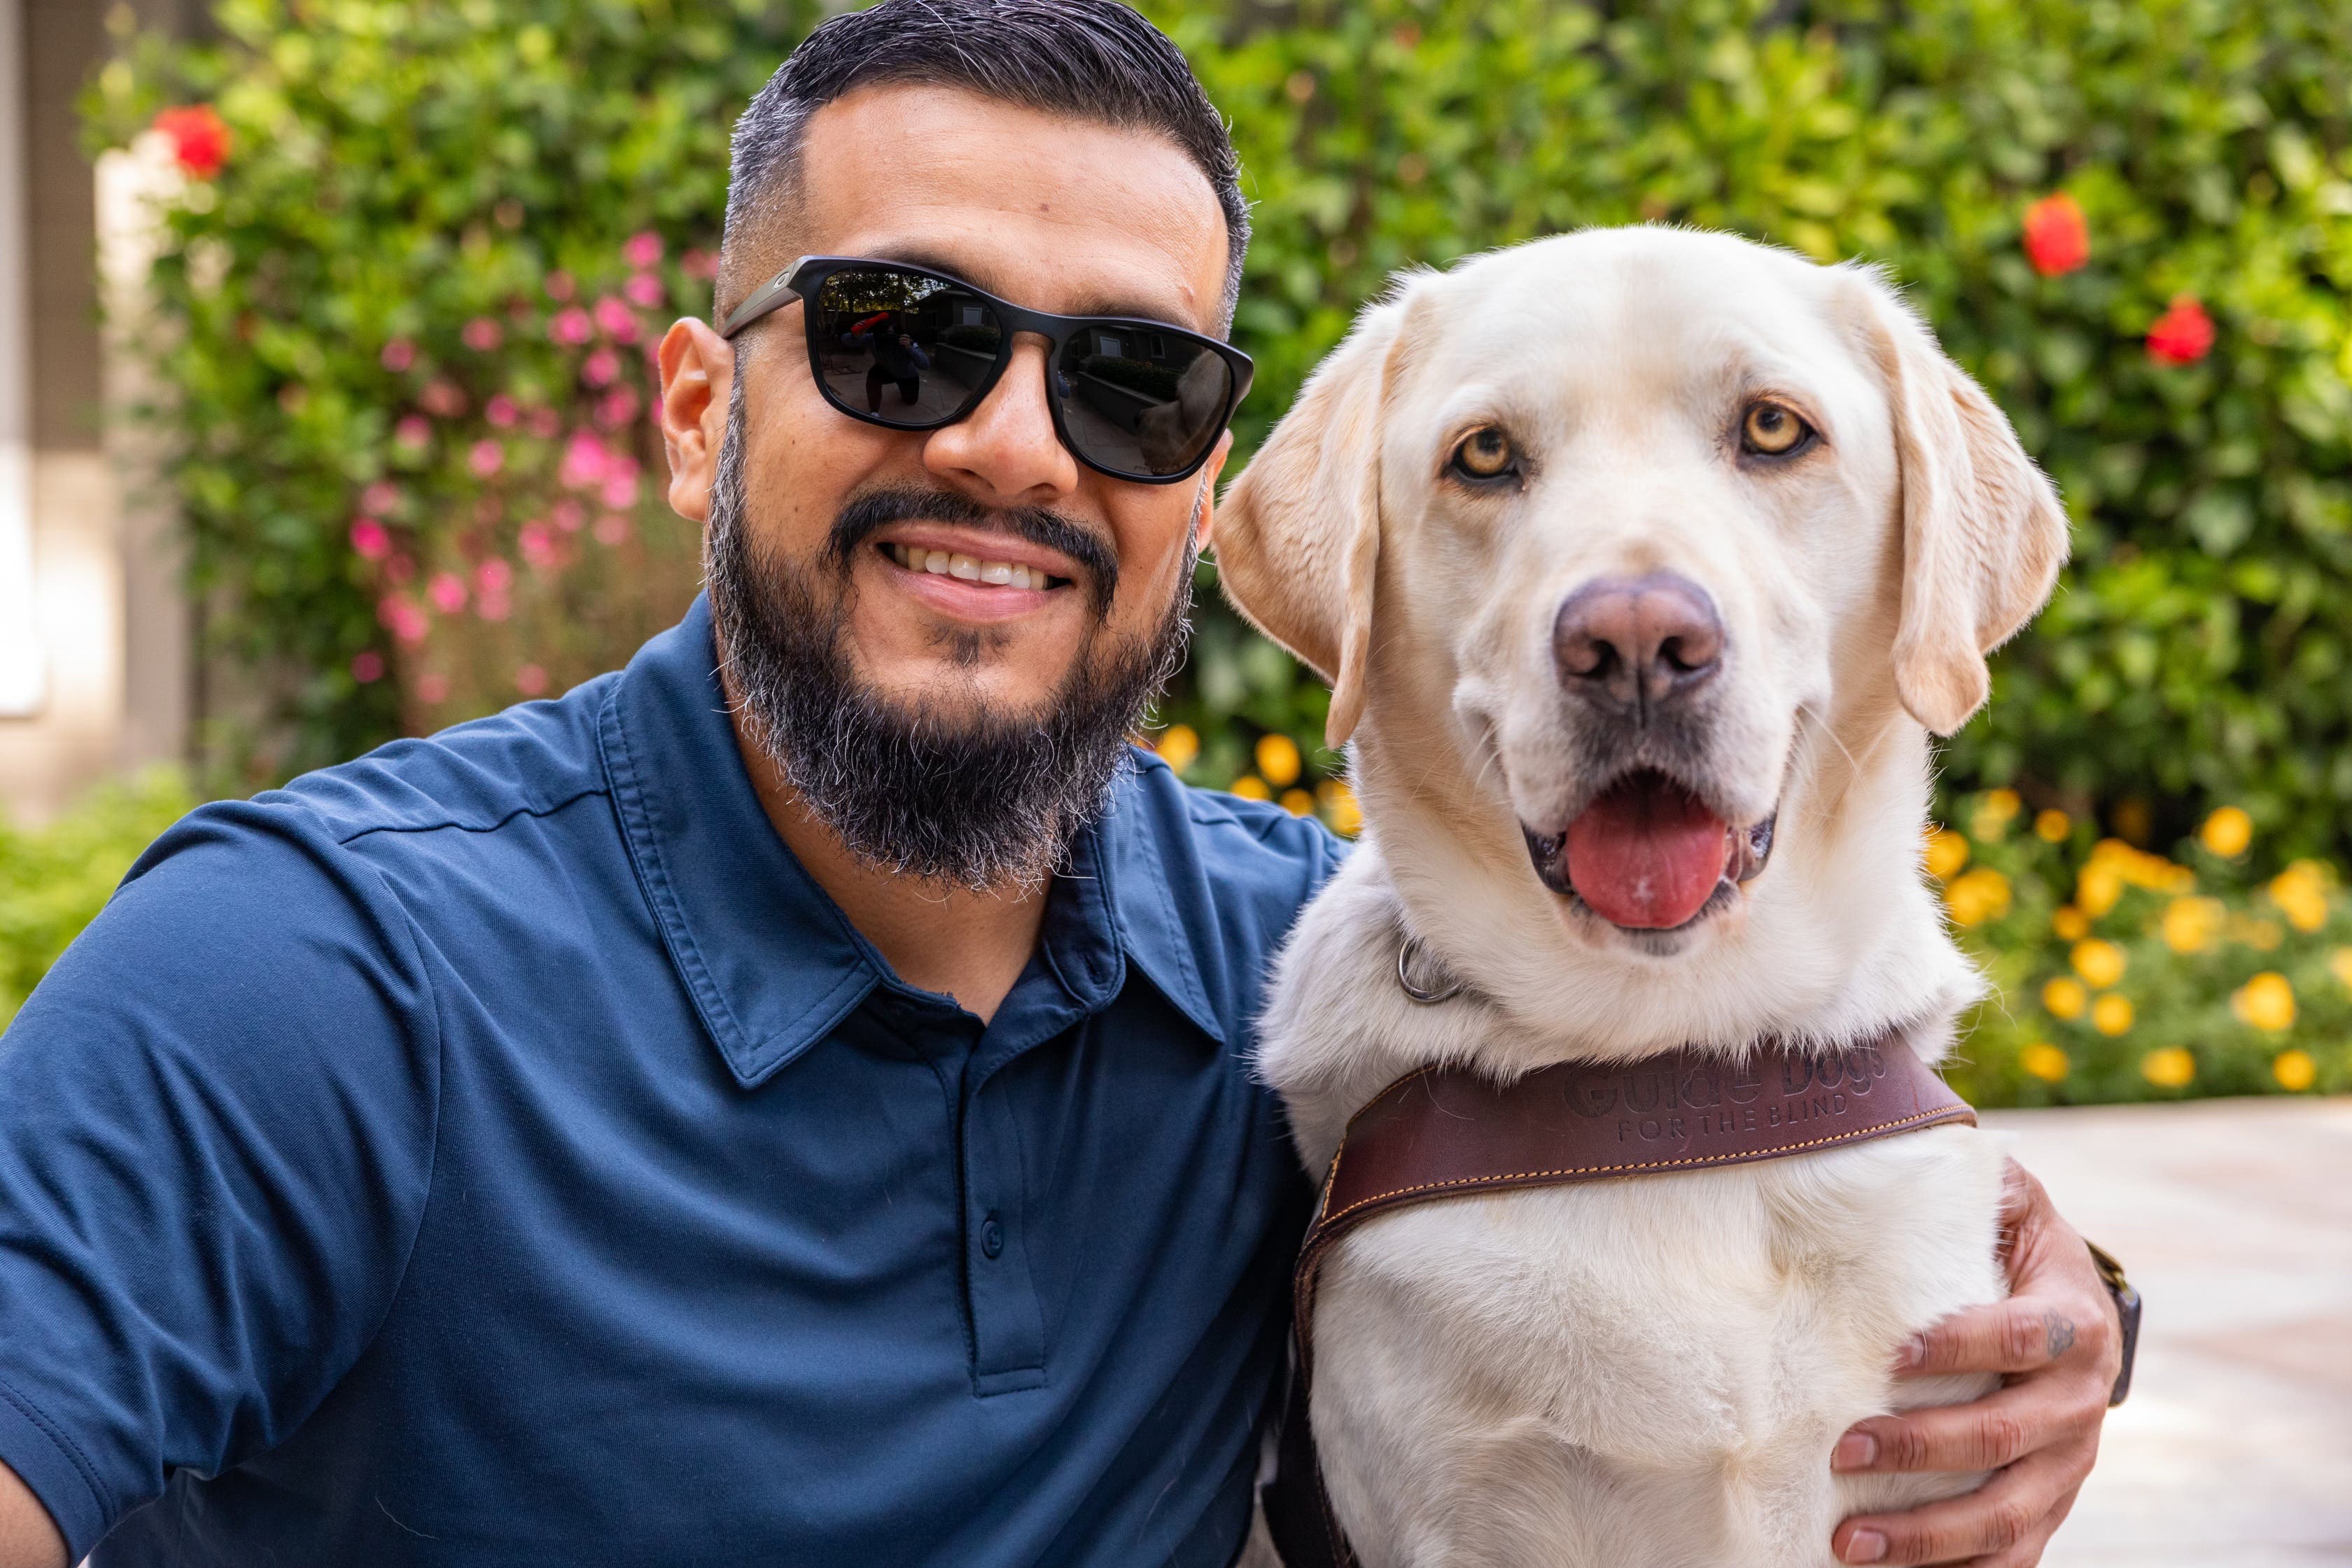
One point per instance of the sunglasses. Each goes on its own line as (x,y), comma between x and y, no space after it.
(909,349)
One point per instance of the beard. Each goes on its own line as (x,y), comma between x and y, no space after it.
(940,791)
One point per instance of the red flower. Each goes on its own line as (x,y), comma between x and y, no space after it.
(2183,334)
(2057,241)
(200,138)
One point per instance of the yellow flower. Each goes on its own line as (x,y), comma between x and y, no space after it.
(2301,893)
(1977,896)
(1178,746)
(1340,808)
(2100,962)
(2070,923)
(2043,1060)
(2228,832)
(2051,826)
(1995,811)
(2098,889)
(1298,802)
(1249,787)
(2339,963)
(1277,759)
(2111,1013)
(2171,1067)
(2294,1070)
(2065,997)
(1947,853)
(2191,924)
(2267,1001)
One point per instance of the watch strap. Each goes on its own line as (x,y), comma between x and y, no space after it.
(2127,1300)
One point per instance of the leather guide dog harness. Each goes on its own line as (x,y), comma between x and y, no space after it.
(1444,1133)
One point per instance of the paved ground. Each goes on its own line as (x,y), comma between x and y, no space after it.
(2235,1219)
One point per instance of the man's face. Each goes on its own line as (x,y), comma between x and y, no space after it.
(1059,215)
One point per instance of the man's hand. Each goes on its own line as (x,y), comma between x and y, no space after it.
(27,1539)
(2059,1344)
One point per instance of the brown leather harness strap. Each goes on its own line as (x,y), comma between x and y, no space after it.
(1444,1133)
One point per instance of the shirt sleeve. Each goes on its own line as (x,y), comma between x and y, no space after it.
(216,1124)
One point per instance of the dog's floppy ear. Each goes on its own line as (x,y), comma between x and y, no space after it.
(1299,534)
(1983,531)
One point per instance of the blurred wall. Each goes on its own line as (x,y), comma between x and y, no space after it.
(95,672)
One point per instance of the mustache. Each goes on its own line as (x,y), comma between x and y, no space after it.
(866,515)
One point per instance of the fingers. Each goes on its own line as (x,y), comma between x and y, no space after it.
(2011,1513)
(1999,1430)
(2024,1333)
(2027,1552)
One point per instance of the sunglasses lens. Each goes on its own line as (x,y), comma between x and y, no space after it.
(903,349)
(1140,401)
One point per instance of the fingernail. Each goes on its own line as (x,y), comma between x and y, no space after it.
(1854,1451)
(1864,1546)
(1913,1353)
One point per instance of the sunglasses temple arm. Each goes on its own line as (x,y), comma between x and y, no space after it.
(774,295)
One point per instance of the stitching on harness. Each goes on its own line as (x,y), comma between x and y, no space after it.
(1923,1116)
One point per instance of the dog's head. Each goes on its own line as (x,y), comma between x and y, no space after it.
(1612,543)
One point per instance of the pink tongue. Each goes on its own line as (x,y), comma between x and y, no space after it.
(1645,855)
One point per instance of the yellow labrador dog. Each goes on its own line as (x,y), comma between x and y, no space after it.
(1643,562)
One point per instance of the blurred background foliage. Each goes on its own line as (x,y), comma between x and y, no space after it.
(416,250)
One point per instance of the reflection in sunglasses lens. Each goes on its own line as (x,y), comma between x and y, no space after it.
(904,349)
(1138,400)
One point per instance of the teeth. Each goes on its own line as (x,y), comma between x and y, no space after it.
(940,564)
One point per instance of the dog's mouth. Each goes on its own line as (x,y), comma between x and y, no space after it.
(1647,854)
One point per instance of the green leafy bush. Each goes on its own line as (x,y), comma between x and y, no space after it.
(54,880)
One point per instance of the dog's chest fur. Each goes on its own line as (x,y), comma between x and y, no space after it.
(1638,1373)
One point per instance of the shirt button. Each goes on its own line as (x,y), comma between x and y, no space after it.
(992,1237)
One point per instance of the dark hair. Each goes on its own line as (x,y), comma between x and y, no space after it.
(1091,60)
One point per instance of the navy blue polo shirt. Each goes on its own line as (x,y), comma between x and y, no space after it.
(498,1150)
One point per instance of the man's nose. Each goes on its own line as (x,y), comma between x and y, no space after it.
(1006,452)
(1635,643)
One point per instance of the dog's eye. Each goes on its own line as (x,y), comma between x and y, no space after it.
(1485,454)
(1771,430)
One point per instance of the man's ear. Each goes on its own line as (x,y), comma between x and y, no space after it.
(697,376)
(1983,531)
(1299,534)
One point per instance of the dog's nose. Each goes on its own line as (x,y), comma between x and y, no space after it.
(1635,642)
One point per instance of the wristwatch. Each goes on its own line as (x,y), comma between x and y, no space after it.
(2111,1275)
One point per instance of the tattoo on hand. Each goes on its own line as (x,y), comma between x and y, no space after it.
(2062,1333)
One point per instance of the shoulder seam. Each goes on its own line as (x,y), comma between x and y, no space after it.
(546,809)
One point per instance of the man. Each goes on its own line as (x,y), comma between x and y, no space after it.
(785,1102)
(898,360)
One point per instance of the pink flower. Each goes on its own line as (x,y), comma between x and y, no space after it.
(2183,334)
(612,529)
(569,515)
(542,423)
(620,490)
(617,407)
(645,289)
(495,575)
(380,496)
(601,368)
(500,411)
(200,139)
(442,398)
(561,286)
(571,327)
(448,592)
(493,607)
(367,666)
(530,680)
(537,542)
(431,687)
(584,461)
(371,541)
(486,459)
(404,620)
(700,263)
(618,322)
(642,250)
(413,430)
(483,334)
(398,356)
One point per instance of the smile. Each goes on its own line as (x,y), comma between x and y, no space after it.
(995,574)
(1649,855)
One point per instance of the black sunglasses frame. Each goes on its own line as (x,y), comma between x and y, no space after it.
(804,277)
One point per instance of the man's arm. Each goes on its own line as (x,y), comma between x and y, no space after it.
(2059,1344)
(29,1538)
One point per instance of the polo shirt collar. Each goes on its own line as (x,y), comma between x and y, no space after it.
(770,962)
